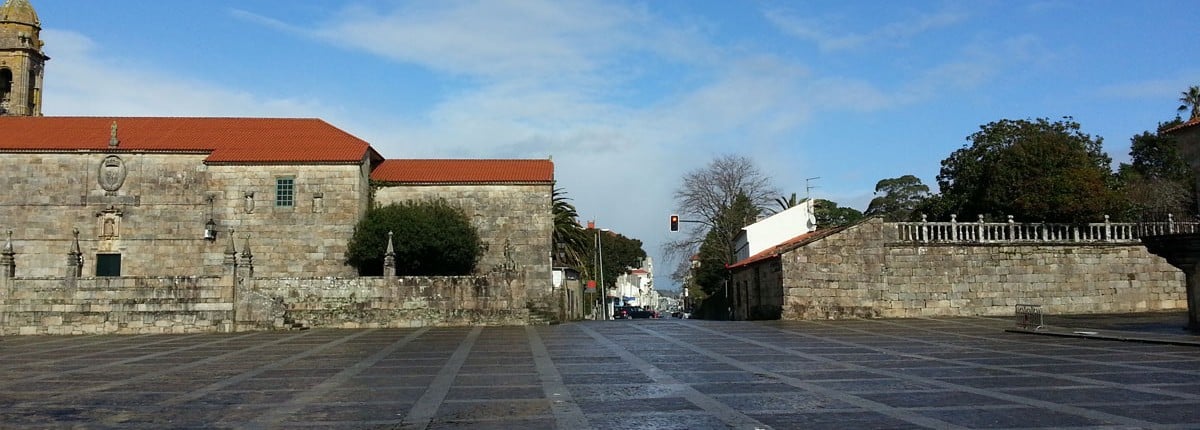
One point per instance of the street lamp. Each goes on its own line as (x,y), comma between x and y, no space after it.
(601,289)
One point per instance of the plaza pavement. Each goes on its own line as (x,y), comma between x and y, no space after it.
(636,374)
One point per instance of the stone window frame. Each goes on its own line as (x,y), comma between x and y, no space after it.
(285,192)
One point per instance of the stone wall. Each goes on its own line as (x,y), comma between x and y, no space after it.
(155,219)
(373,302)
(114,305)
(309,239)
(863,272)
(516,219)
(130,305)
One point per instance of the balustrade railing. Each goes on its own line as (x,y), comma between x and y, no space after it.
(1011,231)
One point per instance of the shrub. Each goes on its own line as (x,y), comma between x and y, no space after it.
(430,238)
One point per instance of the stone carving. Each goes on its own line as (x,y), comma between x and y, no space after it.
(111,173)
(112,136)
(248,199)
(109,221)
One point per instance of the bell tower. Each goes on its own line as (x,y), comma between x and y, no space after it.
(22,61)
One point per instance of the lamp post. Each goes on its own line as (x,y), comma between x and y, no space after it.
(601,289)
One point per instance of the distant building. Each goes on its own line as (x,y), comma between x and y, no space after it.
(636,287)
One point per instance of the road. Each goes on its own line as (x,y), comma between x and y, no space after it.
(635,374)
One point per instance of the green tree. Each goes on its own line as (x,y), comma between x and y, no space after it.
(1157,181)
(1190,99)
(829,214)
(897,198)
(1035,170)
(431,238)
(620,253)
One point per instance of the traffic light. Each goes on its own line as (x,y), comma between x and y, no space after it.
(674,222)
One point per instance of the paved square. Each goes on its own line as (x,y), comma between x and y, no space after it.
(639,374)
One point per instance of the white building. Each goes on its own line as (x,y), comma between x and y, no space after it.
(636,288)
(775,229)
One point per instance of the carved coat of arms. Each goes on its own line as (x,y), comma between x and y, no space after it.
(112,173)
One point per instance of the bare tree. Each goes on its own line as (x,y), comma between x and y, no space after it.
(707,194)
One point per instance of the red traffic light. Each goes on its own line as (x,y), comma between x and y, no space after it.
(674,222)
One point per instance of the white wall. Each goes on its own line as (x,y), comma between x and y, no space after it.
(775,229)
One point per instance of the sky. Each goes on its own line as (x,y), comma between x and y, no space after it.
(626,97)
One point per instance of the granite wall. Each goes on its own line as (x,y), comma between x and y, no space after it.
(129,305)
(864,271)
(154,218)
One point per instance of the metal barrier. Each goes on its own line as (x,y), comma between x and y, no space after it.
(1029,317)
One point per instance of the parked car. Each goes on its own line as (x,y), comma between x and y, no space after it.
(631,312)
(623,312)
(643,313)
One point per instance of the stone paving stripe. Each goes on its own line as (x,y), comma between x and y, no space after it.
(244,376)
(19,344)
(60,357)
(869,405)
(721,411)
(190,365)
(1070,377)
(422,413)
(119,362)
(1066,409)
(567,413)
(310,396)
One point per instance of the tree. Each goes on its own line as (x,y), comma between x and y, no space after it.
(620,253)
(570,240)
(785,203)
(1190,99)
(1034,170)
(1157,181)
(828,214)
(897,198)
(717,252)
(724,196)
(431,238)
(706,194)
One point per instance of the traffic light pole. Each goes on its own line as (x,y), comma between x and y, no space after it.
(675,222)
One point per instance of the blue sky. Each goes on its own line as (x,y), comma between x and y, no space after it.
(627,96)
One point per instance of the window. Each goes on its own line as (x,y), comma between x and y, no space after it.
(108,264)
(285,192)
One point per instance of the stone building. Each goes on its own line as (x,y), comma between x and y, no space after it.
(22,61)
(124,204)
(154,196)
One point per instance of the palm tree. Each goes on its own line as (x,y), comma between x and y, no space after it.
(570,240)
(1191,98)
(786,203)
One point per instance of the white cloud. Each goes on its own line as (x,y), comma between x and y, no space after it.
(81,80)
(490,39)
(821,30)
(1167,89)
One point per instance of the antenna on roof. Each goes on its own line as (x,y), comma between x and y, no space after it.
(112,136)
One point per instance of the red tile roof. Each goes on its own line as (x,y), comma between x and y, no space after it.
(1190,123)
(465,171)
(227,140)
(787,245)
